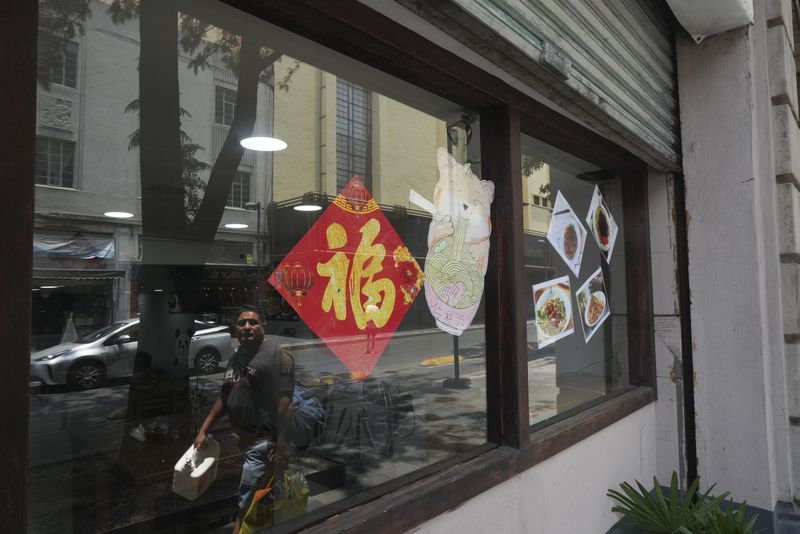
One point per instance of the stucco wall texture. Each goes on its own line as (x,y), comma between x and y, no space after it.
(566,493)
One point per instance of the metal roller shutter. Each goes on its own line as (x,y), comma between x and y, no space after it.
(610,64)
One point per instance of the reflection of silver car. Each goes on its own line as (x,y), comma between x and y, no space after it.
(110,351)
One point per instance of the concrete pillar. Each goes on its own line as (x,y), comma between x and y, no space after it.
(734,267)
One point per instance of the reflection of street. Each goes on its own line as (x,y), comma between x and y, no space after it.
(76,436)
(73,431)
(404,352)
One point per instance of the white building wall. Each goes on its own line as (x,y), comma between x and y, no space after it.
(733,263)
(566,493)
(785,131)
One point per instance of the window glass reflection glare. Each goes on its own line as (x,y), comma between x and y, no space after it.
(137,327)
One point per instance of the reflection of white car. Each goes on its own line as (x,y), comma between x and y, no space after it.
(110,351)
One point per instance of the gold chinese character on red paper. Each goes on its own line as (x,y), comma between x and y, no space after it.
(366,279)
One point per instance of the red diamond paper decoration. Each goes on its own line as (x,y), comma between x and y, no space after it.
(351,279)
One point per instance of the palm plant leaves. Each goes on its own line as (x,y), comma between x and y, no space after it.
(654,512)
(732,521)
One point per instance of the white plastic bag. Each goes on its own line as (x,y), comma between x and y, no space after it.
(196,470)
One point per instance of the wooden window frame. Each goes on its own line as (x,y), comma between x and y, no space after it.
(354,29)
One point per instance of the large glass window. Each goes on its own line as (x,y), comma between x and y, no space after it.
(353,120)
(224,105)
(361,250)
(240,190)
(55,162)
(58,60)
(575,273)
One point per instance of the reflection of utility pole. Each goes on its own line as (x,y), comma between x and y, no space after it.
(456,382)
(259,245)
(257,207)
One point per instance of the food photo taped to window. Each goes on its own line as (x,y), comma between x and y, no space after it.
(553,305)
(567,234)
(602,225)
(593,305)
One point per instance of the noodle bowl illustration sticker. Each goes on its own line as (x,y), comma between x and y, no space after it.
(593,305)
(602,224)
(567,234)
(458,243)
(553,309)
(351,279)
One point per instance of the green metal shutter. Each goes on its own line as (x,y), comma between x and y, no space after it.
(611,62)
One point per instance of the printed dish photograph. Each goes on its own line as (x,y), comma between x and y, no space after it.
(566,234)
(602,225)
(593,305)
(553,310)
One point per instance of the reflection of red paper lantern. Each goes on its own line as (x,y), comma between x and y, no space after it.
(356,194)
(296,278)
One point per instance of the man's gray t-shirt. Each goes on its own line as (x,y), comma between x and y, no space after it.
(253,385)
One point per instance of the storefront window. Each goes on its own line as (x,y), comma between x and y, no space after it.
(575,273)
(360,240)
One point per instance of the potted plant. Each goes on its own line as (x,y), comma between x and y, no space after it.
(653,512)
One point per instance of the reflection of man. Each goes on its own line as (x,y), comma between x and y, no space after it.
(257,396)
(371,311)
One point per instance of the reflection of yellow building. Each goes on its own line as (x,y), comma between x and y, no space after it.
(299,118)
(402,140)
(538,203)
(405,142)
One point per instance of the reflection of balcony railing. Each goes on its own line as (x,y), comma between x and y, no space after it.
(538,219)
(410,223)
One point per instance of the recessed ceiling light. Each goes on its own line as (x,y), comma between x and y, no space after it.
(235,226)
(307,207)
(118,214)
(263,144)
(50,287)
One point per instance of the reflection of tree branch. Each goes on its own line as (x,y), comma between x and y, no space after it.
(251,64)
(60,22)
(191,167)
(283,84)
(63,19)
(530,164)
(159,121)
(168,168)
(544,190)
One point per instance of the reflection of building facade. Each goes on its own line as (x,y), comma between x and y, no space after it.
(349,131)
(84,112)
(87,165)
(536,220)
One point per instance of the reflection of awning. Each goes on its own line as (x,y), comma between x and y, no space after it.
(77,274)
(78,247)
